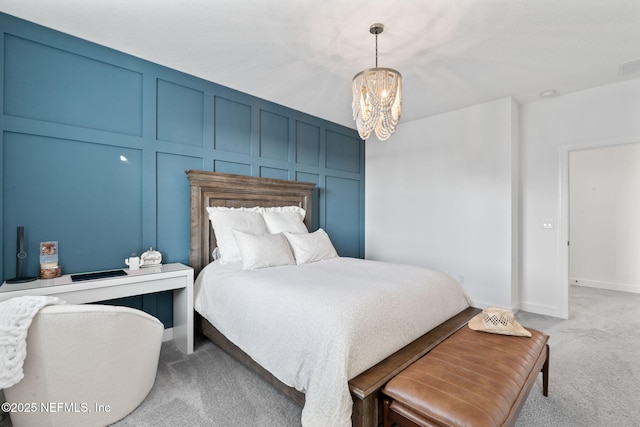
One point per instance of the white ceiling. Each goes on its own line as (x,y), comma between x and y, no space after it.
(304,53)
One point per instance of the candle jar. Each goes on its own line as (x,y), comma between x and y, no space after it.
(50,272)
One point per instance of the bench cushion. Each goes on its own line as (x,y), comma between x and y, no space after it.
(470,379)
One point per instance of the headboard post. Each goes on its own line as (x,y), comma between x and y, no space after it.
(235,191)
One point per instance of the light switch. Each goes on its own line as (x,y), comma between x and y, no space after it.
(547,223)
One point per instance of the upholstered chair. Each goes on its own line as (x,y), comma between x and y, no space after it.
(86,365)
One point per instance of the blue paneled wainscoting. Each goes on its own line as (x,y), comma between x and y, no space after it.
(95,143)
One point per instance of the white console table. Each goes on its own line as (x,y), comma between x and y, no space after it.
(176,277)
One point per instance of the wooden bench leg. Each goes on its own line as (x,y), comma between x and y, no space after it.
(385,413)
(545,374)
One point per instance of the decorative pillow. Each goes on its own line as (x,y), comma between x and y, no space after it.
(263,250)
(311,247)
(226,220)
(290,220)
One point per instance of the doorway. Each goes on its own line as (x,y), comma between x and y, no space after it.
(599,239)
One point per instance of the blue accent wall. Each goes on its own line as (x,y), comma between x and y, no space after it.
(95,143)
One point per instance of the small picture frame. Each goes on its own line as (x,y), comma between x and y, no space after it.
(48,252)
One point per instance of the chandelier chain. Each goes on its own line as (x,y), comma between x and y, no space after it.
(376,50)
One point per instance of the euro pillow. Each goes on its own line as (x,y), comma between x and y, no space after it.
(285,218)
(311,247)
(225,220)
(278,209)
(263,250)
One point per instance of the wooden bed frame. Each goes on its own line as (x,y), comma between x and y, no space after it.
(218,189)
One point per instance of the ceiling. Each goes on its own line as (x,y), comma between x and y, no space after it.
(304,53)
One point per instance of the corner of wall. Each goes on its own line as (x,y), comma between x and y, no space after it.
(515,202)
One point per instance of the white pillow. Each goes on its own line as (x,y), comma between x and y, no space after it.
(226,220)
(311,247)
(263,250)
(285,220)
(297,209)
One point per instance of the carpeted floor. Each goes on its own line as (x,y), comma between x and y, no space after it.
(209,388)
(594,376)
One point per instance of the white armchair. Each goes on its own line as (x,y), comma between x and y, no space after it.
(86,365)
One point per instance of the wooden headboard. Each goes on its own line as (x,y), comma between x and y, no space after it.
(236,191)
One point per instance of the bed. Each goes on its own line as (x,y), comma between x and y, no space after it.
(327,370)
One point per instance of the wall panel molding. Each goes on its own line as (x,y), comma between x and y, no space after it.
(71,108)
(180,113)
(46,83)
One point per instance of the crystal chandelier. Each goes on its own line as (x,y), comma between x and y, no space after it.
(377,97)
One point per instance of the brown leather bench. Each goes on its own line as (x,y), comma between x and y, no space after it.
(470,379)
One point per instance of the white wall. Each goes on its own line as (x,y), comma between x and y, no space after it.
(604,217)
(549,130)
(440,193)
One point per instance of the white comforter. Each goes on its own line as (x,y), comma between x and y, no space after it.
(315,326)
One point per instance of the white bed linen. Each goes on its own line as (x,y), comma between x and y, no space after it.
(314,326)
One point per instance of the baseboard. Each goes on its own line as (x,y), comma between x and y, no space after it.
(545,310)
(167,335)
(621,287)
(482,305)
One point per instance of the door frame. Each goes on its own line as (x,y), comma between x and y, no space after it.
(563,214)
